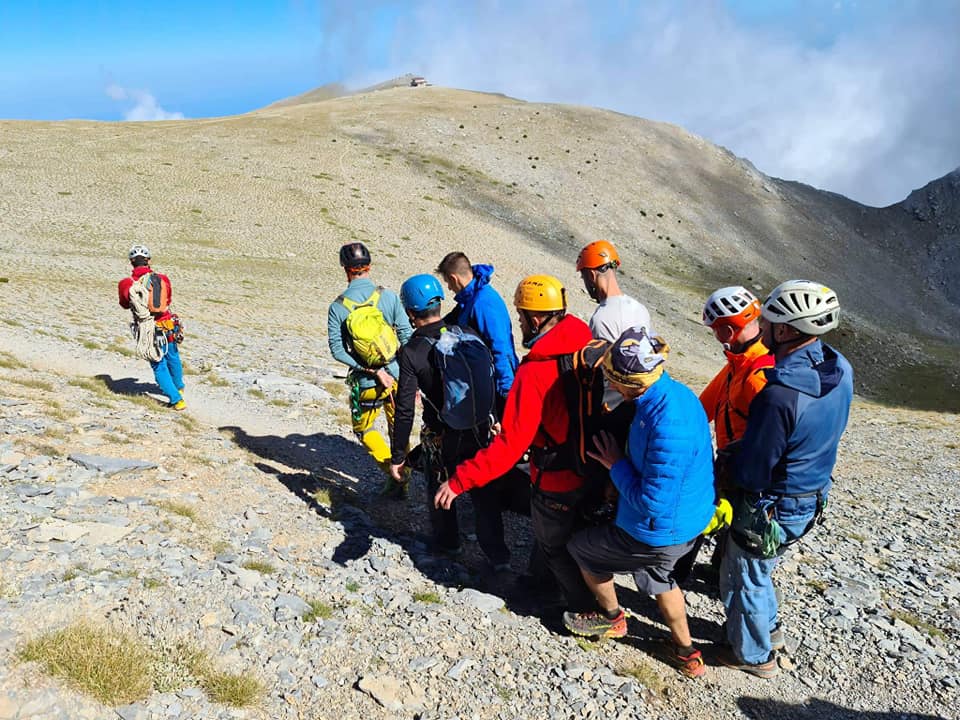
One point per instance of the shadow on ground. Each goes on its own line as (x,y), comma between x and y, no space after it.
(336,479)
(816,709)
(129,386)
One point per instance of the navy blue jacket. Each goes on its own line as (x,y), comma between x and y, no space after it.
(480,308)
(795,423)
(666,480)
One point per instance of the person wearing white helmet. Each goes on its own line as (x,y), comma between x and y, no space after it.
(782,473)
(733,314)
(168,370)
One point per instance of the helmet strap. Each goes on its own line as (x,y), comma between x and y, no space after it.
(544,328)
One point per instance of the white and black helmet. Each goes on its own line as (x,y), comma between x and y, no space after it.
(734,305)
(139,251)
(811,308)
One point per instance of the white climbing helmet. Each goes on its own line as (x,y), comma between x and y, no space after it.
(809,307)
(139,251)
(734,305)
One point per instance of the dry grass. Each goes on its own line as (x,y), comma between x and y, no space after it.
(322,496)
(918,623)
(120,349)
(233,689)
(181,663)
(427,597)
(9,362)
(213,379)
(32,383)
(318,610)
(178,508)
(75,571)
(644,674)
(112,666)
(260,566)
(58,412)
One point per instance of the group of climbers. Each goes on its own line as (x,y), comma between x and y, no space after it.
(778,406)
(623,477)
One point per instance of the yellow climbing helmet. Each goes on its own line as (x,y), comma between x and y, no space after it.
(540,293)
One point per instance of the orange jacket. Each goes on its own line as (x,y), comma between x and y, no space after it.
(728,396)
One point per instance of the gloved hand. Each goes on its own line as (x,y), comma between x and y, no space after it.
(722,517)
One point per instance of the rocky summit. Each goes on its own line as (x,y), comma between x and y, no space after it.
(242,545)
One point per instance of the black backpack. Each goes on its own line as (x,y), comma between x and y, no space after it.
(466,371)
(581,377)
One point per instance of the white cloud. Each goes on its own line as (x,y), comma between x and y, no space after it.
(871,114)
(145,105)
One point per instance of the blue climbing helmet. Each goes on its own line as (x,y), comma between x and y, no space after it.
(420,292)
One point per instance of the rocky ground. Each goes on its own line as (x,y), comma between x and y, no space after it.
(259,472)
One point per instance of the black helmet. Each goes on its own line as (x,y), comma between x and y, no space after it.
(354,255)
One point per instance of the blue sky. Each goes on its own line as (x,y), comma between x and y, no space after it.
(856,96)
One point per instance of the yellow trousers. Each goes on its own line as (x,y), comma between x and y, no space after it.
(365,405)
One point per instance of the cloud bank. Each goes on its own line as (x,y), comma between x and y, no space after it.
(863,101)
(145,106)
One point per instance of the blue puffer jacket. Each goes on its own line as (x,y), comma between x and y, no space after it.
(666,482)
(480,308)
(795,423)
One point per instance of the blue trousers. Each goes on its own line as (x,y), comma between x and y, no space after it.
(168,372)
(746,585)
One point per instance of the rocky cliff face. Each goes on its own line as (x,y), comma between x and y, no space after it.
(935,213)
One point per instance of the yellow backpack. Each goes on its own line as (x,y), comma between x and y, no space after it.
(371,339)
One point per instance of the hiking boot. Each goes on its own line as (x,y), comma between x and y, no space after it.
(179,404)
(690,665)
(766,670)
(595,624)
(778,641)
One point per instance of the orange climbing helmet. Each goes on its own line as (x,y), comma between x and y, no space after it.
(540,293)
(598,255)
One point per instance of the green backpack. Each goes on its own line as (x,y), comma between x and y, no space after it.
(371,339)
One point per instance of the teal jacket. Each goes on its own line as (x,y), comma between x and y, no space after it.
(389,304)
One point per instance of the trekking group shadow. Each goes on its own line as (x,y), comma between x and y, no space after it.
(328,473)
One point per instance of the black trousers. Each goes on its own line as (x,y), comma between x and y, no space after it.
(555,518)
(489,501)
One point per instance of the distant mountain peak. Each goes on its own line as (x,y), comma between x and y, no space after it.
(938,200)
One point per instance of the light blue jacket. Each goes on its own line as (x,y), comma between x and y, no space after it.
(360,290)
(666,480)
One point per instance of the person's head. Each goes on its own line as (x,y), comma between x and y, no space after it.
(139,256)
(456,271)
(635,362)
(355,260)
(421,296)
(732,313)
(597,264)
(541,302)
(796,313)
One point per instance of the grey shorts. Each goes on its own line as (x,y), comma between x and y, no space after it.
(607,550)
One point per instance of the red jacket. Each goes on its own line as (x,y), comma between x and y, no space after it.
(123,288)
(536,399)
